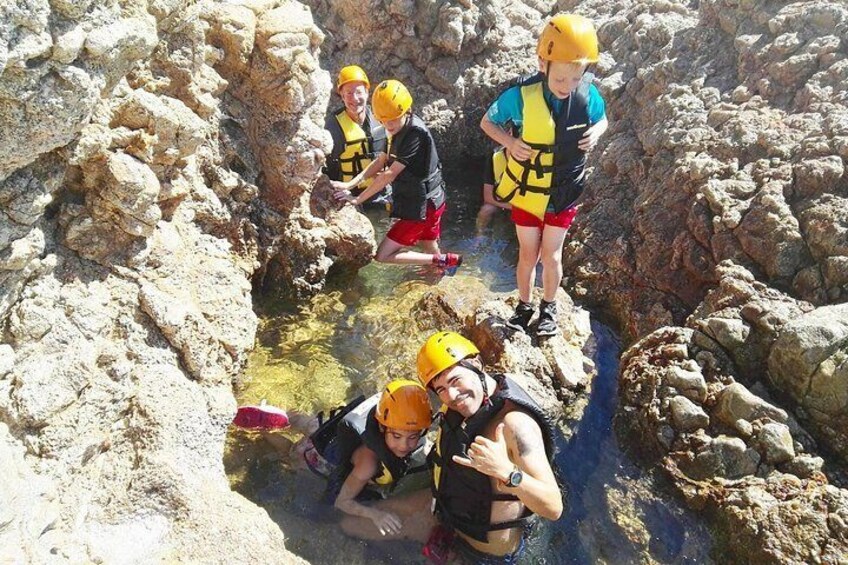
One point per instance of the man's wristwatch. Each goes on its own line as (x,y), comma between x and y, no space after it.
(514,478)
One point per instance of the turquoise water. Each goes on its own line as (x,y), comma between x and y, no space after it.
(359,334)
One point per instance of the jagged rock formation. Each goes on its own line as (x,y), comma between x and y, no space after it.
(134,216)
(727,143)
(789,345)
(727,139)
(730,452)
(275,105)
(454,55)
(156,156)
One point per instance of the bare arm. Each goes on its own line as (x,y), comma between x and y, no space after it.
(372,169)
(592,135)
(383,179)
(365,464)
(518,443)
(514,145)
(538,490)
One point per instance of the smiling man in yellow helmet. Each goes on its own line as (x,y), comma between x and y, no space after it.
(413,168)
(357,136)
(492,457)
(560,115)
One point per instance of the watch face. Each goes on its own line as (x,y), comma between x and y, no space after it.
(515,478)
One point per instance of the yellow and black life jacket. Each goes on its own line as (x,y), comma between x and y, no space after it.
(554,173)
(355,425)
(354,146)
(411,193)
(463,495)
(499,161)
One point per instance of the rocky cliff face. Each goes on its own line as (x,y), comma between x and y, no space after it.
(454,55)
(723,442)
(728,143)
(134,216)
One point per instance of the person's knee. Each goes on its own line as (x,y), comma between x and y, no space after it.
(551,261)
(383,255)
(486,211)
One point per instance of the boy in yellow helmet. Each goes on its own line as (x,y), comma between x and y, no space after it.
(357,136)
(363,449)
(413,168)
(560,115)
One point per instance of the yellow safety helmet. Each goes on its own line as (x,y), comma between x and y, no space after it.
(441,351)
(391,100)
(404,406)
(569,38)
(352,73)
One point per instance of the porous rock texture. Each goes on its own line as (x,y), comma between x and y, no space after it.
(157,155)
(727,135)
(698,401)
(727,142)
(723,169)
(135,213)
(454,55)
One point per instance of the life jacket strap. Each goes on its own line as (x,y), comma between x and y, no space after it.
(522,186)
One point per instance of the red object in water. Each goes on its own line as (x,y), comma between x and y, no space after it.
(261,417)
(438,547)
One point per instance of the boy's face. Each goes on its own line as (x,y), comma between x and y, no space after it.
(563,78)
(355,96)
(402,442)
(394,126)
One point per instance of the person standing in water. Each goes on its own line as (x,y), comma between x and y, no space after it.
(492,173)
(413,168)
(357,135)
(492,464)
(560,116)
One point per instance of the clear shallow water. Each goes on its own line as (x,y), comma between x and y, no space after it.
(360,333)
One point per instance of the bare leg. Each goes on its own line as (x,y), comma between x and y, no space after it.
(430,246)
(414,511)
(528,257)
(484,216)
(391,251)
(281,443)
(551,255)
(305,424)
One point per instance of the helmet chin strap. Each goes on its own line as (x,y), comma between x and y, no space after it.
(480,373)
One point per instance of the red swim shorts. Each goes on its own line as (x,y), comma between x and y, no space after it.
(560,220)
(410,232)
